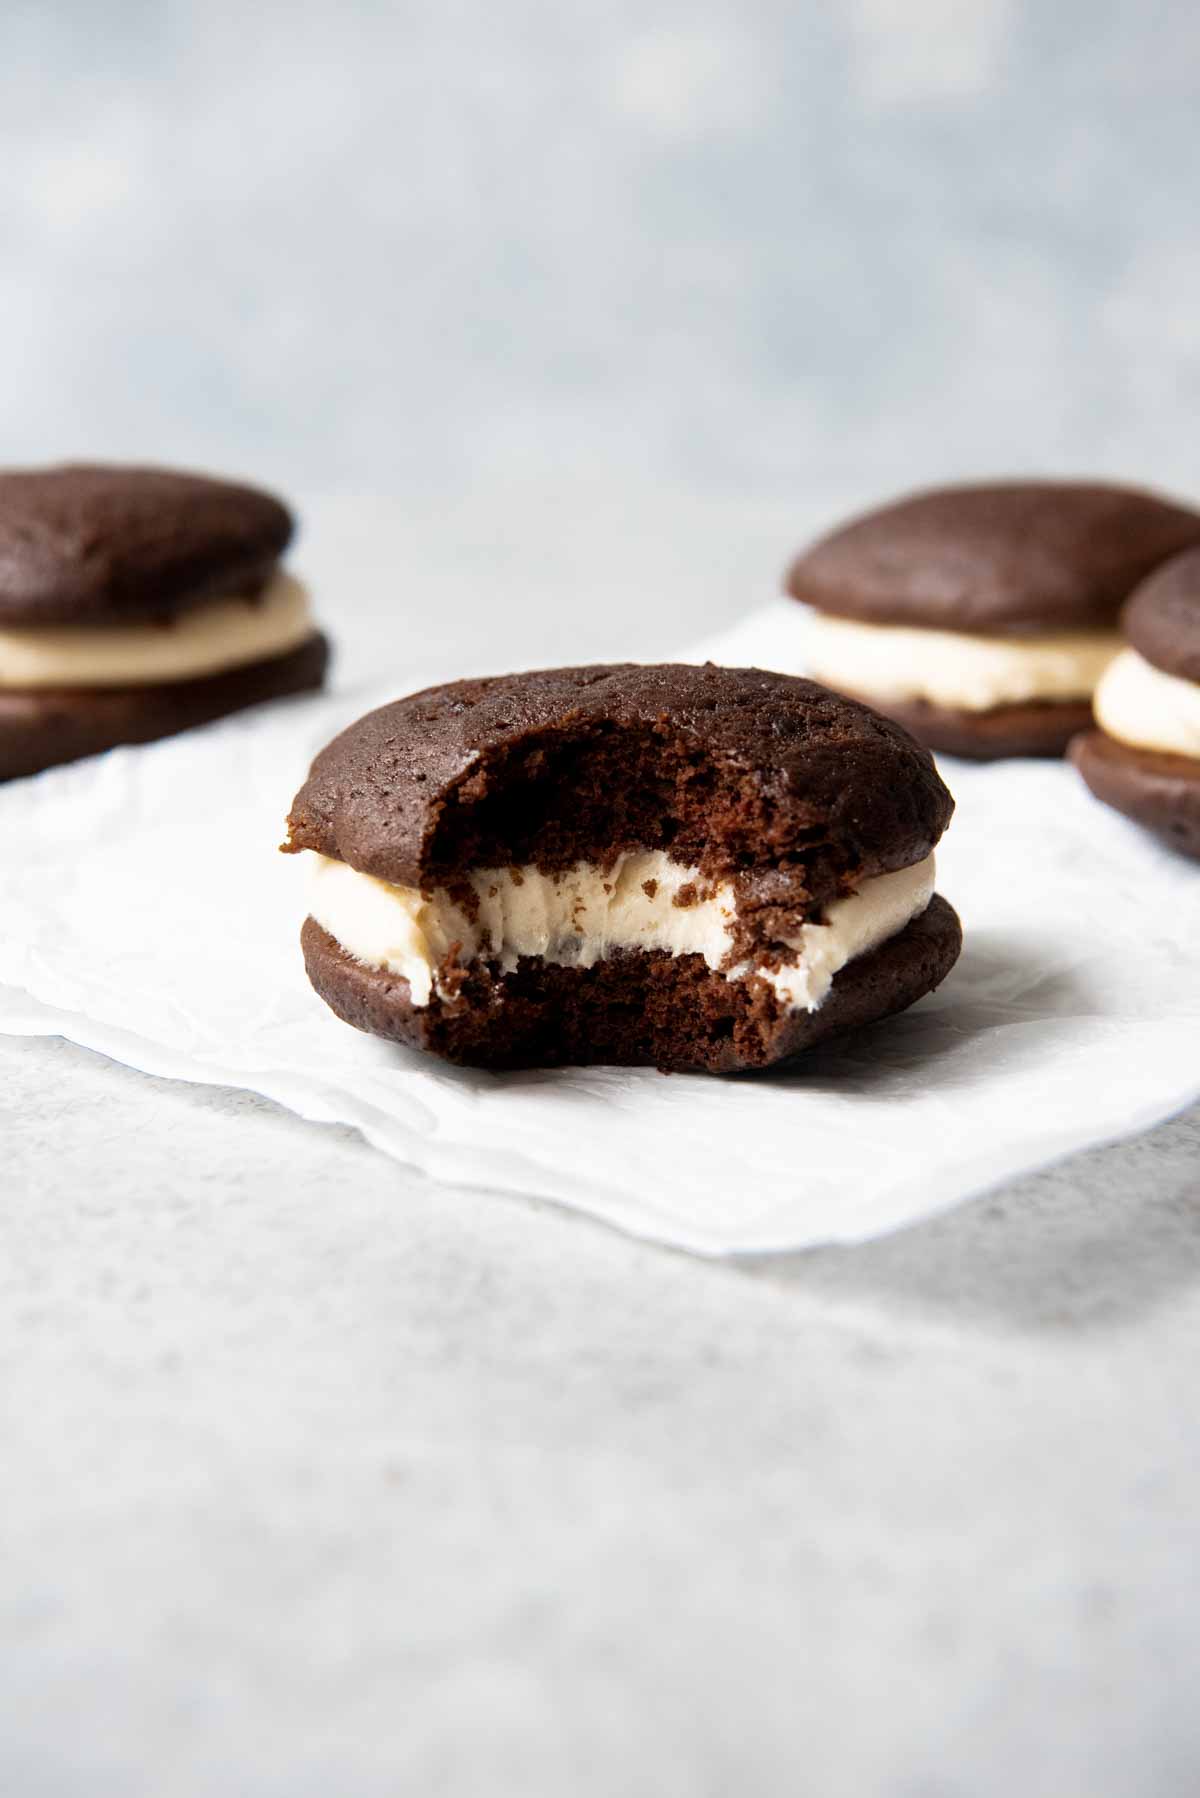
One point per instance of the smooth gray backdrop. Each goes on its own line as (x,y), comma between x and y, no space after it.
(740,249)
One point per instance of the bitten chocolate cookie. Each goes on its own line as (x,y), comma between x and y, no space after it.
(982,617)
(688,867)
(1144,759)
(136,602)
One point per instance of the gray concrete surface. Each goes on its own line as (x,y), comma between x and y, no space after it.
(320,1479)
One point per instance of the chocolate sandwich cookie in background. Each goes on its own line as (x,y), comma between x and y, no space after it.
(981,617)
(685,867)
(137,602)
(1144,756)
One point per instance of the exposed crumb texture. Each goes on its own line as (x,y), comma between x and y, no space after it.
(795,791)
(638,1009)
(757,799)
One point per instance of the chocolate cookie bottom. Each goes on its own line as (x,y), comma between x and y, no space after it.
(39,728)
(634,1010)
(1159,792)
(1041,728)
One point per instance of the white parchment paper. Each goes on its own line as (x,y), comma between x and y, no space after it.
(145,913)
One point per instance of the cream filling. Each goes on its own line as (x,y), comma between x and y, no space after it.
(224,633)
(578,917)
(1139,704)
(955,669)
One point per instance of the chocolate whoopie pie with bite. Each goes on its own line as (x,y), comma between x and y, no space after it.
(688,867)
(137,602)
(1144,756)
(981,617)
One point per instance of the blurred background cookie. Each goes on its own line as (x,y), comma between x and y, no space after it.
(136,602)
(1144,756)
(982,616)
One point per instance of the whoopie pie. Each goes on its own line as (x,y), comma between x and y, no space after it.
(982,617)
(1144,757)
(688,867)
(136,602)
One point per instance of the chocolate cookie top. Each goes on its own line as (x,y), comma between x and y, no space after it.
(728,769)
(1009,559)
(1162,618)
(84,543)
